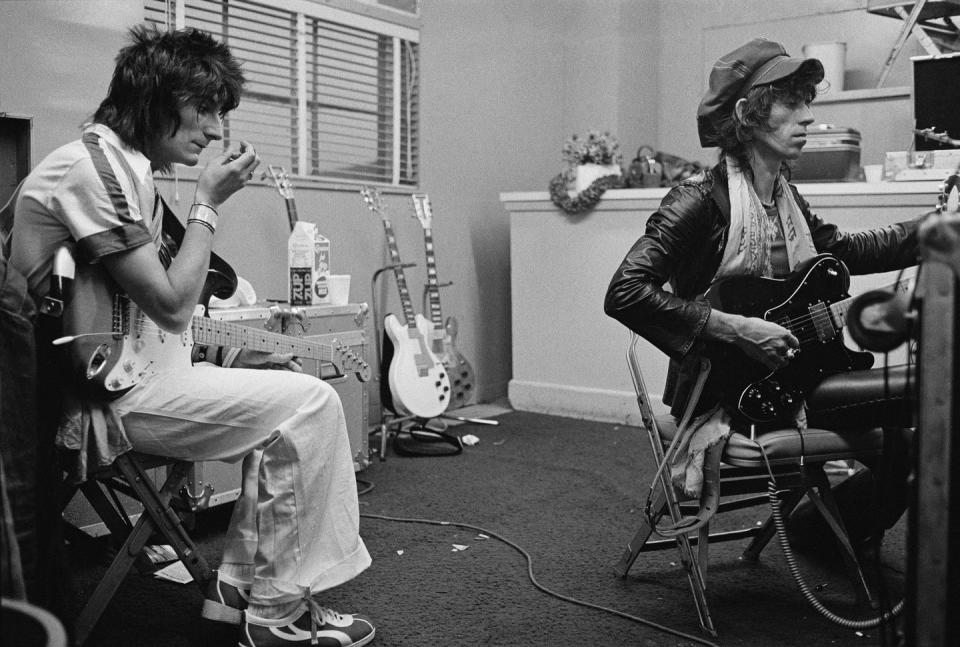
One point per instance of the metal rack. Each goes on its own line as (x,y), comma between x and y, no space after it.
(920,19)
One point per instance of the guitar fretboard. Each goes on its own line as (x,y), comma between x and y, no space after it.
(408,313)
(433,286)
(291,212)
(226,333)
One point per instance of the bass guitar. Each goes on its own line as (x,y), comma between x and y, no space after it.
(417,380)
(282,183)
(812,303)
(114,345)
(443,337)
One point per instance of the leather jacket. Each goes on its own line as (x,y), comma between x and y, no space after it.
(683,245)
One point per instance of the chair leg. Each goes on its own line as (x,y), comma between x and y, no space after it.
(657,507)
(157,515)
(827,505)
(769,529)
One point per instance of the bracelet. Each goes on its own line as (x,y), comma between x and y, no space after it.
(203,214)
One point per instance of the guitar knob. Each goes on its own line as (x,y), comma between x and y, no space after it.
(128,366)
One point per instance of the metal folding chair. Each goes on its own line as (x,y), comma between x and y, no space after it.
(794,459)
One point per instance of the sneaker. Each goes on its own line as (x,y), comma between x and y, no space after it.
(315,626)
(225,601)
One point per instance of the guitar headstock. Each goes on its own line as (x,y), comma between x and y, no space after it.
(349,362)
(280,180)
(372,197)
(422,209)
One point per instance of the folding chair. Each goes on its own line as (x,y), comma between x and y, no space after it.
(162,509)
(795,460)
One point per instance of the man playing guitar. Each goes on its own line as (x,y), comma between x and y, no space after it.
(742,219)
(294,531)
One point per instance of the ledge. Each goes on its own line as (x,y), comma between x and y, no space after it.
(866,94)
(817,193)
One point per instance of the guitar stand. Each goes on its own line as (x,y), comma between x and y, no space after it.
(423,308)
(423,441)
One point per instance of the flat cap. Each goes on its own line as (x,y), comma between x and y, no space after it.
(758,62)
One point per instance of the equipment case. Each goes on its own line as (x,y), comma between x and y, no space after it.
(832,154)
(322,323)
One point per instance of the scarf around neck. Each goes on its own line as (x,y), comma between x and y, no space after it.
(749,241)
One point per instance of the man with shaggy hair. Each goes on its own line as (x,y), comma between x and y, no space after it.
(294,530)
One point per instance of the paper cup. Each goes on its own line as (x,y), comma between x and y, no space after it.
(339,289)
(873,173)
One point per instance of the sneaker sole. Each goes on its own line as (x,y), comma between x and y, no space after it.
(219,612)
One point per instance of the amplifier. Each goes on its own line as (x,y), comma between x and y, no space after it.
(330,324)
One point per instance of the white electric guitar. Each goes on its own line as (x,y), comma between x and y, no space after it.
(443,337)
(418,381)
(114,345)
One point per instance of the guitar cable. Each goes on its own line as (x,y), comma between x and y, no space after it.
(369,486)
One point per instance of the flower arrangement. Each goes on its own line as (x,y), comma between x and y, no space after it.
(597,148)
(576,190)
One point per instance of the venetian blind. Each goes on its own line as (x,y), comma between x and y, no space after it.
(335,98)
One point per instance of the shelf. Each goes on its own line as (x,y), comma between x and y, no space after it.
(867,94)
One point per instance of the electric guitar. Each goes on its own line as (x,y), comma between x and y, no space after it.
(418,382)
(285,189)
(443,337)
(811,303)
(114,345)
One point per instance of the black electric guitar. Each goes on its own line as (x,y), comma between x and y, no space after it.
(285,189)
(812,303)
(417,380)
(443,337)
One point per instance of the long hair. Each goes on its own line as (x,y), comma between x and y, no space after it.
(160,72)
(733,134)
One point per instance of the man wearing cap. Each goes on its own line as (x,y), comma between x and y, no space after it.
(743,218)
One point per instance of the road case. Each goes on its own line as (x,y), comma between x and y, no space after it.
(831,155)
(329,324)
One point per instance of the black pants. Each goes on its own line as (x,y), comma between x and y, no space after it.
(874,499)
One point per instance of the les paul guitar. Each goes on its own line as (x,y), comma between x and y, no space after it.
(282,183)
(114,345)
(443,337)
(417,380)
(812,303)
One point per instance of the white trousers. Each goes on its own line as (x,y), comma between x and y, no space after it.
(297,519)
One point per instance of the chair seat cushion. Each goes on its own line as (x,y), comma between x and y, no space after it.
(786,445)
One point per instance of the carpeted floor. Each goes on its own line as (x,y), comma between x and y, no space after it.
(568,492)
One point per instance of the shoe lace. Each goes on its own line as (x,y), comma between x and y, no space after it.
(319,615)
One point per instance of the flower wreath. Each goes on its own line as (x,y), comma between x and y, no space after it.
(586,199)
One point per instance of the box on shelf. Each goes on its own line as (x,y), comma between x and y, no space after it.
(832,154)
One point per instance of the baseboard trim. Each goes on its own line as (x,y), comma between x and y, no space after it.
(602,405)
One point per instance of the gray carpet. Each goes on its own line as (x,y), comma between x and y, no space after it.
(569,493)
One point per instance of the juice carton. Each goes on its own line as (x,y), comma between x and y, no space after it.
(308,262)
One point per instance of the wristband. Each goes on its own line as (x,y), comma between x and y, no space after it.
(203,214)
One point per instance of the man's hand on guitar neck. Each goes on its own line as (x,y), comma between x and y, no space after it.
(248,358)
(763,341)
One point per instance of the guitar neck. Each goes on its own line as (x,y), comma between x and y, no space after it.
(291,212)
(433,285)
(408,313)
(838,310)
(226,333)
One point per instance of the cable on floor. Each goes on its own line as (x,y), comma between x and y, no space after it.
(533,579)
